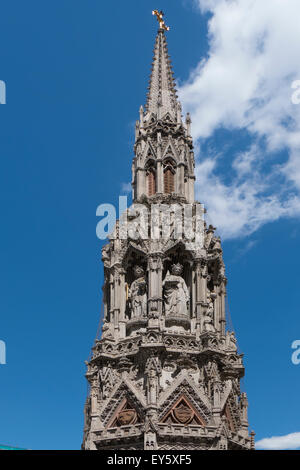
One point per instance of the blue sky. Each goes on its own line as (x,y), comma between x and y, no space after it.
(75,77)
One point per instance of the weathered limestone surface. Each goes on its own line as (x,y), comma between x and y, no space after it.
(165,373)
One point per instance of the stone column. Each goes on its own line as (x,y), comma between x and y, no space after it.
(198,289)
(252,440)
(159,167)
(223,443)
(217,308)
(159,177)
(201,275)
(112,300)
(152,370)
(244,414)
(188,122)
(94,396)
(140,182)
(152,388)
(155,299)
(133,182)
(191,189)
(141,111)
(104,300)
(122,303)
(180,179)
(222,294)
(193,302)
(118,284)
(150,441)
(217,401)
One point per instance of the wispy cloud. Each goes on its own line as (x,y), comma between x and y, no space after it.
(244,249)
(126,188)
(245,84)
(290,441)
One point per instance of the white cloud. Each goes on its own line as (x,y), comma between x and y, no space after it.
(290,441)
(240,208)
(246,83)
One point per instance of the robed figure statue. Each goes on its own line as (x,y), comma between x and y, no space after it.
(138,294)
(176,293)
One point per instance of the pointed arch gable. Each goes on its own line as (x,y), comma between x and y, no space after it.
(149,152)
(126,414)
(183,412)
(226,391)
(228,416)
(185,385)
(168,117)
(134,248)
(123,398)
(170,152)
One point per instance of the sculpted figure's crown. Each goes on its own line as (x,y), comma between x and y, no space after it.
(138,271)
(176,269)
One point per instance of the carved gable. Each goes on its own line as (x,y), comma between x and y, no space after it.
(125,415)
(183,412)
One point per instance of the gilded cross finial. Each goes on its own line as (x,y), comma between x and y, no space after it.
(159,15)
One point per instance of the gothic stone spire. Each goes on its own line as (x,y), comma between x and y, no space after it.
(162,98)
(165,373)
(164,158)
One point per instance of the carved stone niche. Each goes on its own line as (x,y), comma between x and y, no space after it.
(176,299)
(136,299)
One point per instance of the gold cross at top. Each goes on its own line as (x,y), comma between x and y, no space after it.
(159,15)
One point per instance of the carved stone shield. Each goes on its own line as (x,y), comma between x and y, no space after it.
(183,414)
(127,417)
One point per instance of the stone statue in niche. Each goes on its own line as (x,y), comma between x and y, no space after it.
(107,330)
(208,317)
(106,255)
(176,293)
(231,341)
(138,294)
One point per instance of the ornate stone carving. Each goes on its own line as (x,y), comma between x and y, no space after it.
(208,317)
(138,294)
(107,330)
(127,417)
(106,255)
(176,293)
(230,341)
(165,374)
(182,412)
